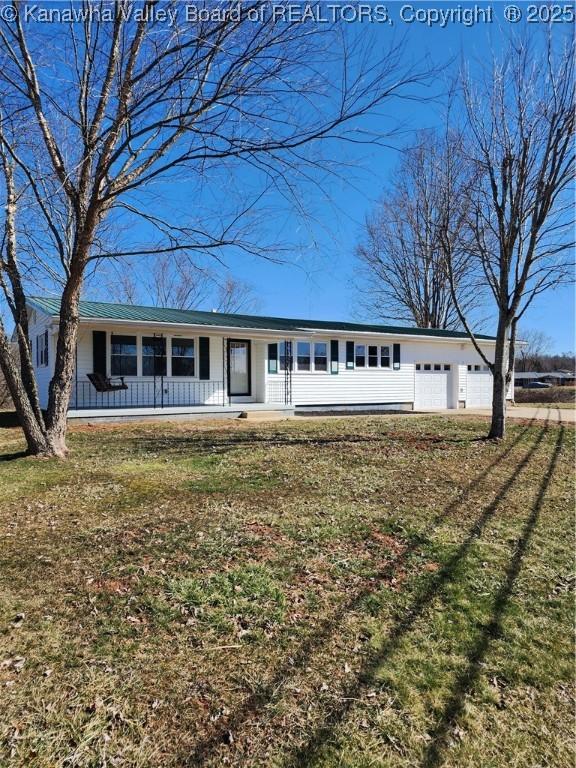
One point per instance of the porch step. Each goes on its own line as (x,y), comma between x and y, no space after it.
(266,415)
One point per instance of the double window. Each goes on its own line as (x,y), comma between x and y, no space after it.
(123,355)
(183,361)
(311,356)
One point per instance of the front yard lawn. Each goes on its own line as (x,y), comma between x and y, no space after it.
(377,591)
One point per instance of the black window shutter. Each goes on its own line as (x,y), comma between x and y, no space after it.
(272,358)
(396,356)
(349,354)
(45,347)
(99,352)
(204,357)
(334,356)
(37,351)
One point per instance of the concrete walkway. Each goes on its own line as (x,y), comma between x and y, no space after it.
(541,413)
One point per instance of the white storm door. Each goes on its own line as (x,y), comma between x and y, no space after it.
(239,367)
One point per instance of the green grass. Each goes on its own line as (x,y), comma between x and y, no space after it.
(245,599)
(385,591)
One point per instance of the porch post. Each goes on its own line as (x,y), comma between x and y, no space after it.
(288,372)
(224,369)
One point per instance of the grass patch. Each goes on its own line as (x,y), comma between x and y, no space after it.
(241,600)
(369,591)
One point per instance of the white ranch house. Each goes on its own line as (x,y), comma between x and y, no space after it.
(148,361)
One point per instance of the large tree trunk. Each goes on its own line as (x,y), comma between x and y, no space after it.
(500,374)
(64,366)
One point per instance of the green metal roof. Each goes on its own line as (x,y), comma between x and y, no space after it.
(100,310)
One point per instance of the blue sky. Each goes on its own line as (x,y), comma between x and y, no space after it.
(318,279)
(318,283)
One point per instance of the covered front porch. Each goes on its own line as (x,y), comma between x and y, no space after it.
(135,373)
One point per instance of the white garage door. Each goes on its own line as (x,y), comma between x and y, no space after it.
(479,389)
(431,386)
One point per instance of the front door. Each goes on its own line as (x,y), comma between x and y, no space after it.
(239,382)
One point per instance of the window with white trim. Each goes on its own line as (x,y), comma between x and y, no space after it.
(303,355)
(153,356)
(123,355)
(321,356)
(385,357)
(183,357)
(372,356)
(360,356)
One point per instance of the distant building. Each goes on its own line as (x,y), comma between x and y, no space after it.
(557,378)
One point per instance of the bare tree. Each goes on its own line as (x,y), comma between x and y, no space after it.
(403,268)
(181,282)
(98,113)
(177,282)
(520,124)
(560,361)
(535,347)
(236,296)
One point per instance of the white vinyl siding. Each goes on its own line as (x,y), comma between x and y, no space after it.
(356,386)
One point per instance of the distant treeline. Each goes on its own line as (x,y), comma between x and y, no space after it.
(545,363)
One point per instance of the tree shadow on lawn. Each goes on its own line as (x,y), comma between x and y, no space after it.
(256,703)
(9,420)
(216,444)
(467,680)
(306,755)
(13,456)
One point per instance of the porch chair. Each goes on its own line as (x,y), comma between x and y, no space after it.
(103,384)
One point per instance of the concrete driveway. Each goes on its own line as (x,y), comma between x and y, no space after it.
(541,413)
